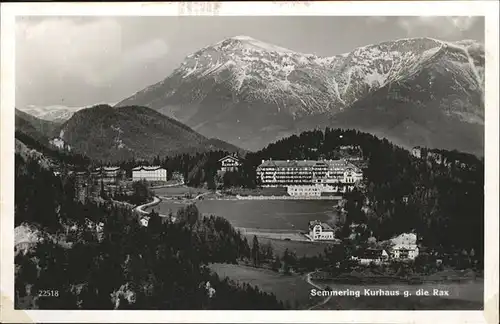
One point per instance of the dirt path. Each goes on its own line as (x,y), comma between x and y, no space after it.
(309,281)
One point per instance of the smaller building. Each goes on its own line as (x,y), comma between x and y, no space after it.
(229,163)
(417,152)
(320,231)
(405,252)
(351,152)
(425,153)
(405,247)
(436,157)
(110,174)
(371,255)
(149,173)
(144,221)
(352,175)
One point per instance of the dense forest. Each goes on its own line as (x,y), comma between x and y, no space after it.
(442,203)
(97,256)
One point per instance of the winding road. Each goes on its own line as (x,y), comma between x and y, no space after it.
(309,281)
(140,209)
(156,200)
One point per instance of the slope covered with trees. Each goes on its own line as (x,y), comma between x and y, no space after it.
(110,134)
(38,128)
(59,157)
(445,202)
(97,256)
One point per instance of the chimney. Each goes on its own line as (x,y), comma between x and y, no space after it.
(263,161)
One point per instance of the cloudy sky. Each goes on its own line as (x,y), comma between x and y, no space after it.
(81,61)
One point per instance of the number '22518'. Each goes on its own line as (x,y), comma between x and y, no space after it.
(48,293)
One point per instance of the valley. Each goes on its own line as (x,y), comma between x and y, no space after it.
(241,238)
(253,174)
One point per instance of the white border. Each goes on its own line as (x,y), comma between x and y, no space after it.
(489,9)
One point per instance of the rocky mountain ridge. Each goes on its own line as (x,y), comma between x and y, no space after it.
(241,87)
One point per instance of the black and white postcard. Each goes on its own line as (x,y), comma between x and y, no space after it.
(289,160)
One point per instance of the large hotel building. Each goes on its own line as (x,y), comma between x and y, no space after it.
(308,177)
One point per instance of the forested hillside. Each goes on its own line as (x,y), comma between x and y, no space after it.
(50,152)
(97,256)
(445,201)
(109,134)
(38,128)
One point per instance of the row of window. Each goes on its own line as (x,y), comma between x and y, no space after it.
(304,189)
(263,169)
(307,172)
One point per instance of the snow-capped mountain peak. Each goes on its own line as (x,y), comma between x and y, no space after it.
(241,78)
(248,43)
(279,76)
(55,113)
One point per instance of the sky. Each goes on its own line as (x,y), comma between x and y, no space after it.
(81,61)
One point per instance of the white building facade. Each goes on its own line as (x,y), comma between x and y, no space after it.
(405,252)
(144,221)
(149,173)
(417,152)
(309,177)
(229,163)
(320,231)
(405,247)
(301,191)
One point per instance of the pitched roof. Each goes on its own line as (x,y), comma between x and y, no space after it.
(111,168)
(106,168)
(230,157)
(324,226)
(147,168)
(334,164)
(291,163)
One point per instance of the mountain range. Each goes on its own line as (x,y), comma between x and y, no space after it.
(54,113)
(417,91)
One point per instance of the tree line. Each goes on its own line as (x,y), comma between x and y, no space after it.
(443,203)
(96,255)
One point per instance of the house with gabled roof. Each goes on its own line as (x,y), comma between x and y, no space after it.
(319,231)
(405,246)
(229,163)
